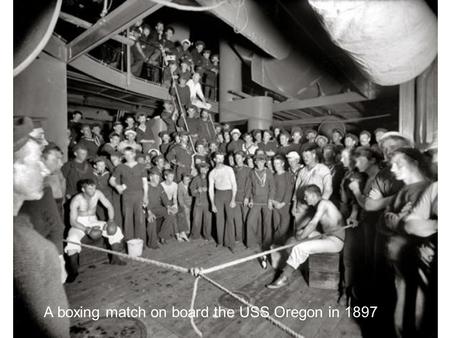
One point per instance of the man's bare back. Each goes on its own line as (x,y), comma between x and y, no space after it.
(327,216)
(331,217)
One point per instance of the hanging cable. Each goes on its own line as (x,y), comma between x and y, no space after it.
(241,5)
(105,9)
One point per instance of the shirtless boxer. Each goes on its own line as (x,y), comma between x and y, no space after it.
(84,222)
(331,240)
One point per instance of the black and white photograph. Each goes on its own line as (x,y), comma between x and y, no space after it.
(223,168)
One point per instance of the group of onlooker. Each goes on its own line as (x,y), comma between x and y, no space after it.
(262,188)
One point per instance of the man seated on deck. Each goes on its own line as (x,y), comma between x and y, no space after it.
(329,240)
(84,221)
(158,208)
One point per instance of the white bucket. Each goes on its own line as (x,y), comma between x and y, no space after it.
(135,247)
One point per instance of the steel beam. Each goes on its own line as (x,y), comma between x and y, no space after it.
(109,97)
(91,66)
(282,116)
(85,79)
(240,94)
(98,102)
(319,101)
(318,120)
(117,21)
(297,113)
(407,108)
(57,48)
(86,25)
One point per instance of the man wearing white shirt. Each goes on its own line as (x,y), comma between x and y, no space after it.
(197,92)
(222,193)
(312,173)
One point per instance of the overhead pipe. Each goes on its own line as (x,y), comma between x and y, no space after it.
(285,71)
(248,19)
(293,77)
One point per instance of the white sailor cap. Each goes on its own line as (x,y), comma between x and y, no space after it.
(293,155)
(235,131)
(186,41)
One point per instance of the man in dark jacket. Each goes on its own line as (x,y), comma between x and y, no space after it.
(44,214)
(181,156)
(207,130)
(169,116)
(76,170)
(88,142)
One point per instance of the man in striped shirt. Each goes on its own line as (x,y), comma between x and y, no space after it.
(259,196)
(242,173)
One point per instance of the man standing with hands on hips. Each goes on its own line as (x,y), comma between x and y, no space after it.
(222,193)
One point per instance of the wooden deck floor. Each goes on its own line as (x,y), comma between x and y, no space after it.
(103,286)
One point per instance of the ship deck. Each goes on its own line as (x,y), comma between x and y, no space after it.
(158,291)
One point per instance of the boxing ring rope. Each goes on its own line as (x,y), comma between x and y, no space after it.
(137,259)
(201,273)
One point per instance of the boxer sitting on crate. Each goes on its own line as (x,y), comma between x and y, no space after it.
(84,222)
(329,240)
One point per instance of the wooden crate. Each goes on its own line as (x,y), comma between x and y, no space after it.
(323,271)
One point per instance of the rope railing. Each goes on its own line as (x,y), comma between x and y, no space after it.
(137,259)
(267,252)
(272,320)
(201,273)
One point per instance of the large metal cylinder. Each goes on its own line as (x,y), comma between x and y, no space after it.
(261,117)
(34,22)
(230,72)
(257,111)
